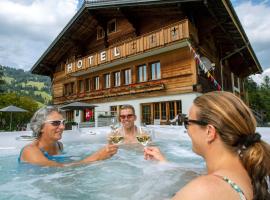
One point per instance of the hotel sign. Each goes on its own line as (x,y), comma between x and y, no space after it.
(159,38)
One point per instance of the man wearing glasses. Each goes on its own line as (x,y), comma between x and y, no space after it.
(127,118)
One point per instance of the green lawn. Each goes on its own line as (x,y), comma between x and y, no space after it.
(8,79)
(44,95)
(38,85)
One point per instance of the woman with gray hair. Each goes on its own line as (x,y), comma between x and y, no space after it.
(48,125)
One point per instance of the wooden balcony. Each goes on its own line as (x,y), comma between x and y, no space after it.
(156,42)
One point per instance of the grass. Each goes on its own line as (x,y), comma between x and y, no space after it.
(44,95)
(38,85)
(8,79)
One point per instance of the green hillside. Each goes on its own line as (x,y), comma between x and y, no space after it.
(24,83)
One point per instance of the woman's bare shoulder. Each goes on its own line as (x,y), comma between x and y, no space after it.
(201,188)
(30,150)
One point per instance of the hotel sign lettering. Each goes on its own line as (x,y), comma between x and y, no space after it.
(162,37)
(94,60)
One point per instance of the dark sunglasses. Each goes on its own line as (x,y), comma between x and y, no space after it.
(56,122)
(198,122)
(129,116)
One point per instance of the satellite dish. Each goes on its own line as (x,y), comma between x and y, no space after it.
(207,63)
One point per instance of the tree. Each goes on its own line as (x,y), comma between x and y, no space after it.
(2,82)
(259,96)
(18,119)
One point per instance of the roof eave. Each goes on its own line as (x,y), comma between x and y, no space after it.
(126,3)
(229,7)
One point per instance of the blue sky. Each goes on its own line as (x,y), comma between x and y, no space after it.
(29,26)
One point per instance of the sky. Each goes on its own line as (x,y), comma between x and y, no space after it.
(28,27)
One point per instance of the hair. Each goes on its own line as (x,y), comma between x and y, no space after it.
(235,121)
(127,106)
(40,117)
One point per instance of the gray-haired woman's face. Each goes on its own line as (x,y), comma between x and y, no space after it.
(53,126)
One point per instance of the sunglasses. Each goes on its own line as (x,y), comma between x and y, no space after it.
(129,116)
(56,122)
(198,122)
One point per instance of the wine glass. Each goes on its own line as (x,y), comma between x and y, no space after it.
(143,135)
(116,135)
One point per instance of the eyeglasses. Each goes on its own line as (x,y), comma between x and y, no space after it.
(56,122)
(198,122)
(129,116)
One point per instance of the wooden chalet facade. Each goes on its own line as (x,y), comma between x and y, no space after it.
(145,53)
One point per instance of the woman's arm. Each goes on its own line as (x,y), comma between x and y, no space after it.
(33,155)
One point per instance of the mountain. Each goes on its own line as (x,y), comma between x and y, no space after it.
(26,84)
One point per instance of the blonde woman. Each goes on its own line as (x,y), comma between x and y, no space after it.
(223,131)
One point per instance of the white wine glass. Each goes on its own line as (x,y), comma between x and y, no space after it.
(116,135)
(143,135)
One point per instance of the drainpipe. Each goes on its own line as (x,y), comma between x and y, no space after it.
(226,57)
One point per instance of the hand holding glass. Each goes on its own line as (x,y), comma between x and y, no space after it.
(143,136)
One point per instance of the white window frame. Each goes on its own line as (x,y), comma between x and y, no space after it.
(107,80)
(127,76)
(155,74)
(97,83)
(142,73)
(117,79)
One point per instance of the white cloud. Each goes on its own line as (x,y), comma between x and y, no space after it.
(29,26)
(258,78)
(255,19)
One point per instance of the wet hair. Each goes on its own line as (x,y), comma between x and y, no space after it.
(127,106)
(40,117)
(236,126)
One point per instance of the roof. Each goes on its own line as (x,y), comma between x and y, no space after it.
(228,31)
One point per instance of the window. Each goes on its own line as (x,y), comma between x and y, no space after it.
(113,110)
(81,86)
(66,89)
(100,33)
(155,71)
(156,111)
(163,110)
(111,28)
(142,73)
(107,80)
(127,76)
(72,90)
(87,85)
(69,88)
(178,107)
(96,83)
(117,79)
(171,110)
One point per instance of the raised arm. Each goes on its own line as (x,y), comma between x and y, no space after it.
(33,155)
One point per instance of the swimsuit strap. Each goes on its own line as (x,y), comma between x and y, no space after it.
(60,147)
(19,158)
(234,186)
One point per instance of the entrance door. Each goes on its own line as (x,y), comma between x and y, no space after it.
(146,113)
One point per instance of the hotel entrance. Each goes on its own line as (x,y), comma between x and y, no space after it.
(160,112)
